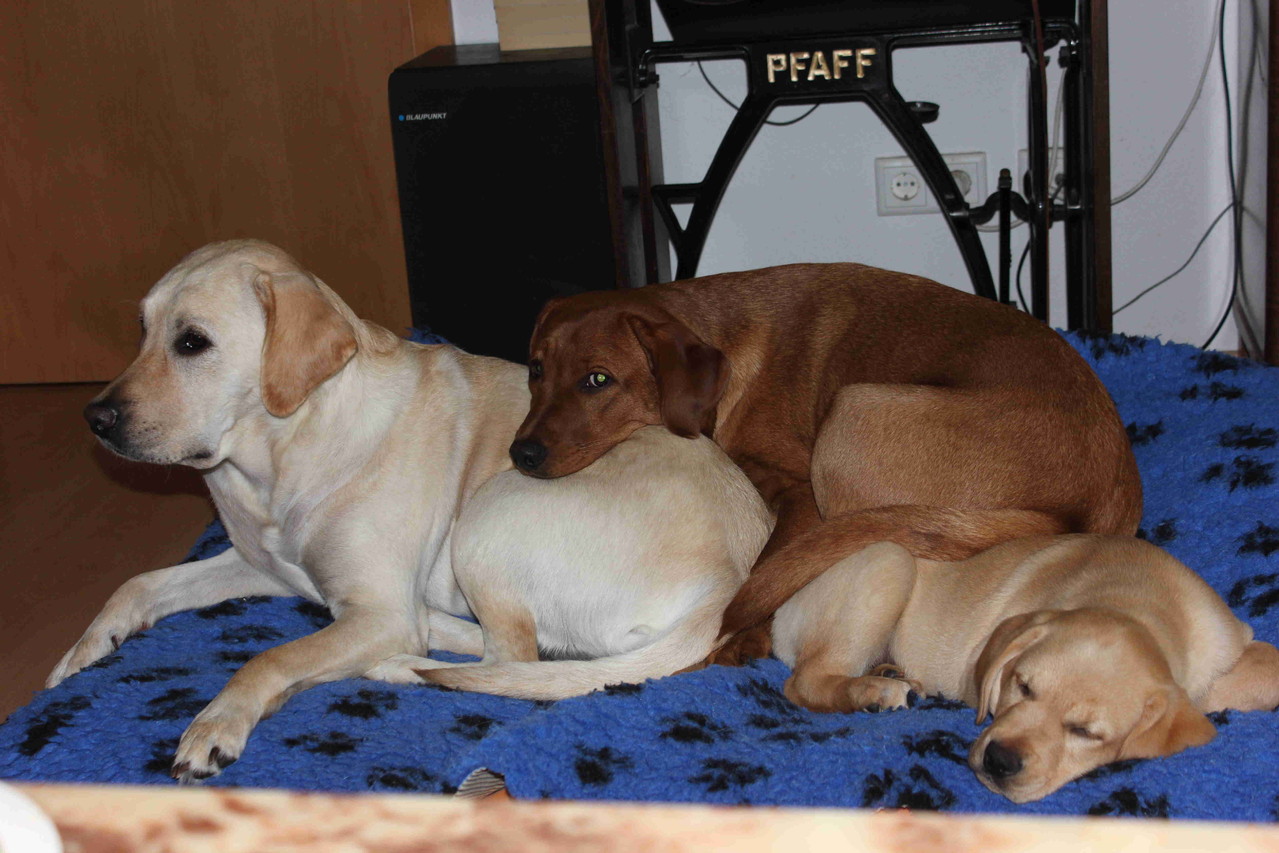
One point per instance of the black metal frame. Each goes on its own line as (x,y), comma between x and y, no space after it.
(874,86)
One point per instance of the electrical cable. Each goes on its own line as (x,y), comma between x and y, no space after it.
(1170,275)
(725,99)
(1194,100)
(1236,219)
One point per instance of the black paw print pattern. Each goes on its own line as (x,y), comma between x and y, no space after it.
(162,755)
(1127,802)
(174,704)
(1213,391)
(1246,472)
(473,726)
(596,766)
(155,673)
(939,742)
(1101,344)
(721,774)
(917,790)
(401,779)
(333,743)
(1248,437)
(1262,539)
(1141,434)
(318,614)
(1258,594)
(250,634)
(694,727)
(365,704)
(55,717)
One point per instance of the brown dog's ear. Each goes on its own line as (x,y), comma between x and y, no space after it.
(1009,639)
(1169,723)
(307,340)
(691,375)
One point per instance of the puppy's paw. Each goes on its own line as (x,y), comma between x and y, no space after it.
(214,740)
(119,620)
(402,669)
(752,643)
(875,693)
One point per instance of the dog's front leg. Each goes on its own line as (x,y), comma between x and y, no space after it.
(143,600)
(358,638)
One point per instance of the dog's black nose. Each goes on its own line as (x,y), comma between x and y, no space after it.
(102,417)
(528,454)
(1000,761)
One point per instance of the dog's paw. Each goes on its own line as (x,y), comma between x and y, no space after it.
(403,669)
(745,647)
(123,617)
(875,693)
(214,740)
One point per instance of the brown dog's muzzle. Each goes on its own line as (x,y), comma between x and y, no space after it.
(528,454)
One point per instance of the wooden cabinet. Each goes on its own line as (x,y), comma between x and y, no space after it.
(132,132)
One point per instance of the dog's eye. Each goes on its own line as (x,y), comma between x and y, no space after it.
(596,380)
(534,369)
(191,342)
(1082,732)
(1026,692)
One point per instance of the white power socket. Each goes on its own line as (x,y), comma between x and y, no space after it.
(900,188)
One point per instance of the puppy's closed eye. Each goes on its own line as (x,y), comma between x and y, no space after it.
(1082,732)
(1024,687)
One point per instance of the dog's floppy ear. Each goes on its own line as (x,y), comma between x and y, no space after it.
(1009,639)
(690,374)
(1169,723)
(307,340)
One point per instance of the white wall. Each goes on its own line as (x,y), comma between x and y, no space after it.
(806,192)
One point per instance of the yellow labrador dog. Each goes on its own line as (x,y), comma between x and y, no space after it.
(342,460)
(1086,649)
(338,456)
(623,568)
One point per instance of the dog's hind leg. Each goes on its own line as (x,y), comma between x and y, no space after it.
(143,600)
(840,625)
(1251,685)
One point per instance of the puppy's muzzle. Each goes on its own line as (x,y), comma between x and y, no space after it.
(105,419)
(528,454)
(1000,762)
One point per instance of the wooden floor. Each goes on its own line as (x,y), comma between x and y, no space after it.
(75,522)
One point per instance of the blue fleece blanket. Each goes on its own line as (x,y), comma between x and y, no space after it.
(1203,426)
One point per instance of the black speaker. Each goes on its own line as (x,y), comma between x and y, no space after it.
(502,189)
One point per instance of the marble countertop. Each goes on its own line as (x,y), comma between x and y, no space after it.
(110,819)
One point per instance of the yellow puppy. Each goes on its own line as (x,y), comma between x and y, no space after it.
(1086,649)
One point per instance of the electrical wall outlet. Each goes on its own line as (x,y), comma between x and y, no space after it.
(900,187)
(1056,158)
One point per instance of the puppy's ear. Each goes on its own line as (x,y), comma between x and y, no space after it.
(1012,637)
(307,340)
(691,375)
(1169,723)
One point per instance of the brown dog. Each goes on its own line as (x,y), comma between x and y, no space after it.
(865,405)
(1085,649)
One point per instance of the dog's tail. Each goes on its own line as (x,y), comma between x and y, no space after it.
(928,532)
(685,645)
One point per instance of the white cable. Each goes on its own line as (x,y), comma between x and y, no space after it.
(1203,75)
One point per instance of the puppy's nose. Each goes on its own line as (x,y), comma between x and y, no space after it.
(528,454)
(1000,761)
(102,417)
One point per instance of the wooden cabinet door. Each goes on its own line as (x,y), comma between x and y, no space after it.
(132,132)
